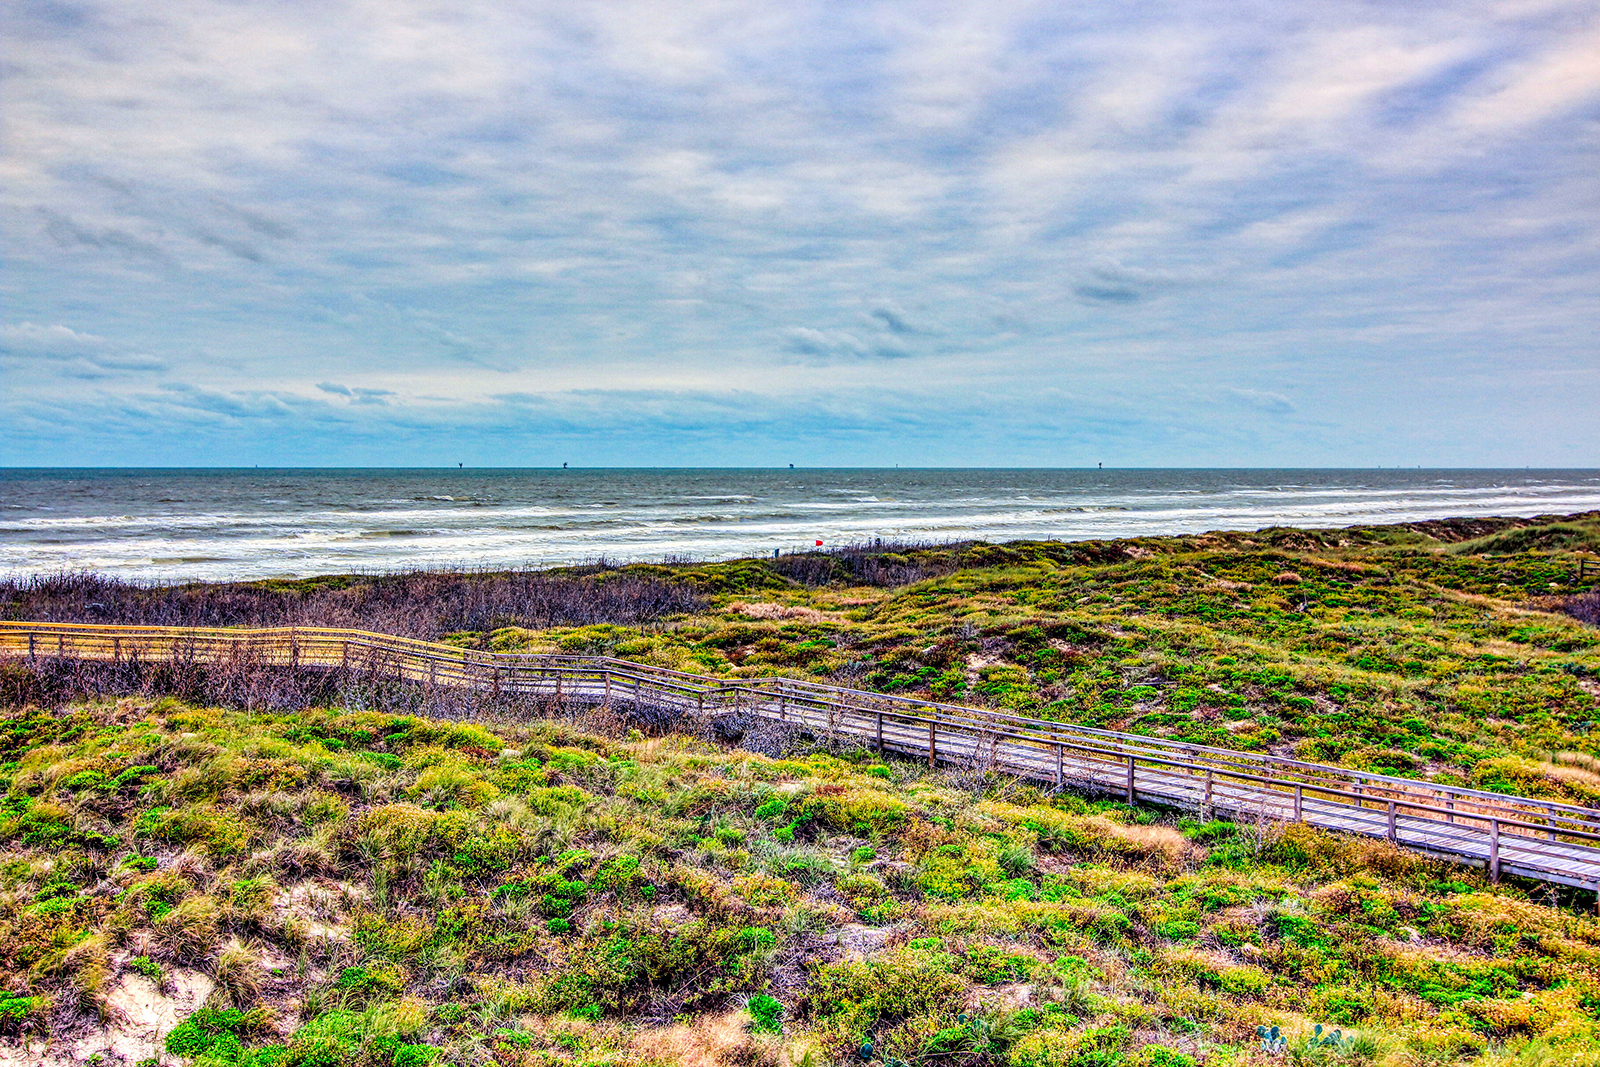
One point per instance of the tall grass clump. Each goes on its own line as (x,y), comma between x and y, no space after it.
(1585,607)
(419,603)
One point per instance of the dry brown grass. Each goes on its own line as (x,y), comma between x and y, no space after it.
(189,932)
(711,1041)
(1347,566)
(417,603)
(238,974)
(1157,842)
(788,612)
(1574,769)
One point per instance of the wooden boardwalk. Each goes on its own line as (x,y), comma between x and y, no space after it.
(1503,834)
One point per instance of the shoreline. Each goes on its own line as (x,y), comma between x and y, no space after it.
(243,526)
(1442,531)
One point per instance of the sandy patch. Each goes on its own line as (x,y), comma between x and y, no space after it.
(142,1016)
(670,916)
(1011,996)
(321,908)
(859,940)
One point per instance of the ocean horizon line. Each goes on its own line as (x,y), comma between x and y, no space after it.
(4,468)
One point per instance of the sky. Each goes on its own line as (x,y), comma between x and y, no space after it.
(715,232)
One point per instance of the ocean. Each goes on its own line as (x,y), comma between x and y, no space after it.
(173,524)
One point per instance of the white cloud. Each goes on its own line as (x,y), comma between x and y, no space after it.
(1558,78)
(798,201)
(63,351)
(830,345)
(48,340)
(1262,400)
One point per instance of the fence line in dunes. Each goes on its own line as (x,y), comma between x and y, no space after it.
(1503,833)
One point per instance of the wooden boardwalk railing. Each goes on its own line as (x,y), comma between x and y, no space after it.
(1504,834)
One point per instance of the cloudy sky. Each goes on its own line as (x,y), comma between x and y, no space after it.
(1313,232)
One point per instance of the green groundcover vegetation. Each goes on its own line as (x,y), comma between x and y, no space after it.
(340,886)
(1418,650)
(356,888)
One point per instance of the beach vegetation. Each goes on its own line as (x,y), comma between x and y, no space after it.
(354,872)
(374,920)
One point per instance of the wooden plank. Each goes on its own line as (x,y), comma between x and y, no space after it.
(1504,832)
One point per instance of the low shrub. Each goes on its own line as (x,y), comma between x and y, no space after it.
(766,1014)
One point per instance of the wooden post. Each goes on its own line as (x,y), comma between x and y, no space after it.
(932,726)
(116,650)
(1060,759)
(1205,808)
(880,735)
(1391,822)
(608,686)
(1298,809)
(1130,780)
(30,647)
(1550,820)
(1450,810)
(1494,850)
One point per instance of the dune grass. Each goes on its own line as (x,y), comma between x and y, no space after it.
(380,888)
(1388,649)
(1463,651)
(364,888)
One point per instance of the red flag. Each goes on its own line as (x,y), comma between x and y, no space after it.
(819,544)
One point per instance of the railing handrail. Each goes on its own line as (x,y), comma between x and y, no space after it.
(1161,751)
(989,714)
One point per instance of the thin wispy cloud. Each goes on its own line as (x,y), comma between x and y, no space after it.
(745,232)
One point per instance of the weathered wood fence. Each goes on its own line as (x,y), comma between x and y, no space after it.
(1504,834)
